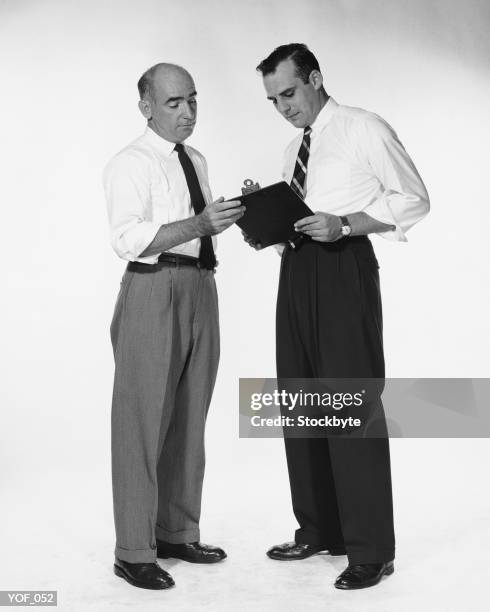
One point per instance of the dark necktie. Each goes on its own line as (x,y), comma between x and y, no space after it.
(206,252)
(299,175)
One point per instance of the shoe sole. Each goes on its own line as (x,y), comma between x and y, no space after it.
(192,560)
(119,572)
(387,572)
(332,553)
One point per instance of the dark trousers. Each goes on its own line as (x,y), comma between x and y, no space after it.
(329,325)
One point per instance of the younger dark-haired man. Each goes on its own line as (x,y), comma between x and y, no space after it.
(350,168)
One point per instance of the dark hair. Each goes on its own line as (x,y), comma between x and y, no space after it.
(303,58)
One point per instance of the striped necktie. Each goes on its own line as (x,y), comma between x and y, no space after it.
(299,175)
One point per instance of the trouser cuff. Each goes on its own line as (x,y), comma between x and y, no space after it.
(303,536)
(144,555)
(370,555)
(177,537)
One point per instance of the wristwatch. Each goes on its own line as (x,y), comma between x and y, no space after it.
(346,228)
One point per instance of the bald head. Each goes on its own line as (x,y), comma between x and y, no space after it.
(157,74)
(168,101)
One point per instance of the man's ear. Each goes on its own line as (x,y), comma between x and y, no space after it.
(316,79)
(145,108)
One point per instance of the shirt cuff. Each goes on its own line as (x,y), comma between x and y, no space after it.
(135,239)
(381,211)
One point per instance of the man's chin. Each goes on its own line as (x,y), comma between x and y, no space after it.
(187,129)
(297,121)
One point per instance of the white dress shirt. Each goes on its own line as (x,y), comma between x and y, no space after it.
(357,164)
(145,188)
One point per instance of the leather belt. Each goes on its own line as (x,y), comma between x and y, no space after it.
(167,259)
(176,260)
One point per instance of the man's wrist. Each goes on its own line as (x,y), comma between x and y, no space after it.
(345,227)
(198,226)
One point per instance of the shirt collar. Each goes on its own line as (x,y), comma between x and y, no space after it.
(324,116)
(157,142)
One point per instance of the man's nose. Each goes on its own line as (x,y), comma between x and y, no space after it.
(189,110)
(283,106)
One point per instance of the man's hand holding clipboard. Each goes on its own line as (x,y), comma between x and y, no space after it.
(270,215)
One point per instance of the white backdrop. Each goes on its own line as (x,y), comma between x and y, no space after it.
(69,72)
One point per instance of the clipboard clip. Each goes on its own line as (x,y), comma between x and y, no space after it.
(250,186)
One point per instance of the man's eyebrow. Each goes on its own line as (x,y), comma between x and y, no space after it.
(281,93)
(179,98)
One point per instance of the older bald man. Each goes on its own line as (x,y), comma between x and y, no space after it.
(164,332)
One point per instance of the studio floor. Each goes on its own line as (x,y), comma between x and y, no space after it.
(58,534)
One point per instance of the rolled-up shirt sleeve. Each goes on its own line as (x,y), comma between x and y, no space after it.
(402,200)
(127,190)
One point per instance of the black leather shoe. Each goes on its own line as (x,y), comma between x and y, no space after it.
(194,552)
(291,551)
(363,575)
(143,575)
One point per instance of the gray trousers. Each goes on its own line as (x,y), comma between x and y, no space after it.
(165,338)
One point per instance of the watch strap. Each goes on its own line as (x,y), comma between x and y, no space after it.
(346,226)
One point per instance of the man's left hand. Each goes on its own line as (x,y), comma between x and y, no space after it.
(321,227)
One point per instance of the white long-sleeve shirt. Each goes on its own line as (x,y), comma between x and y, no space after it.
(145,188)
(357,164)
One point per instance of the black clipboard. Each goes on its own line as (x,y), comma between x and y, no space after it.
(271,213)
